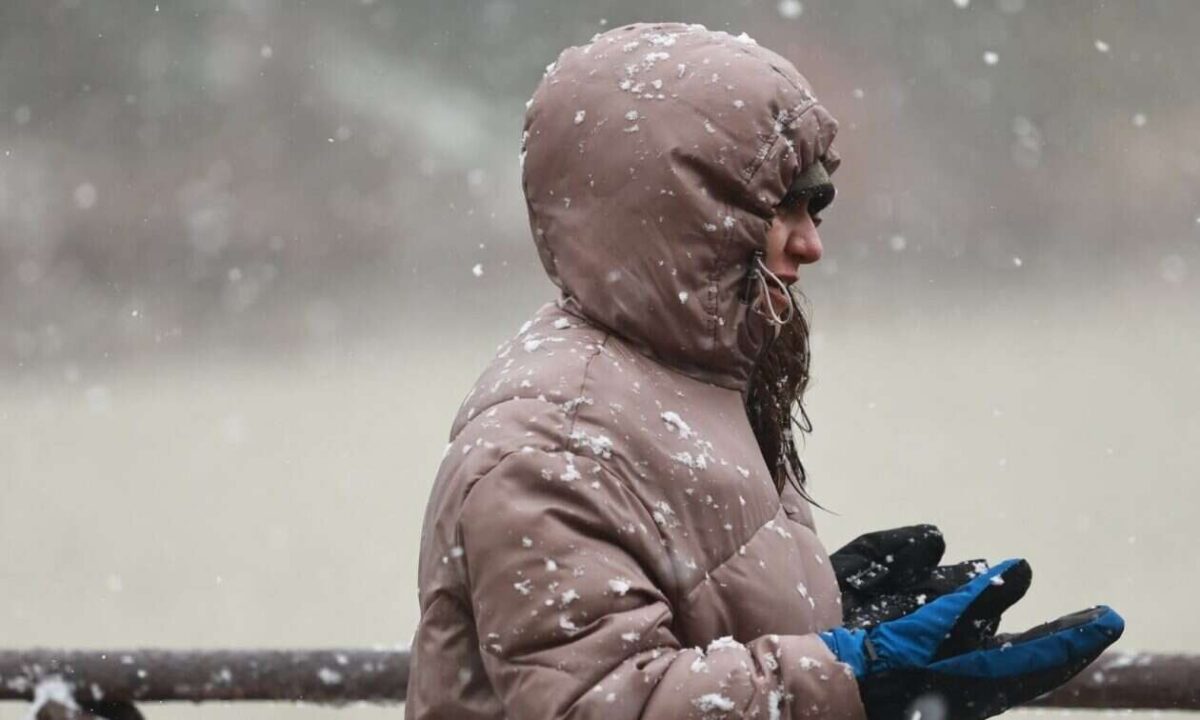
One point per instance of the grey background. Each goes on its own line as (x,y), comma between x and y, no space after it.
(239,302)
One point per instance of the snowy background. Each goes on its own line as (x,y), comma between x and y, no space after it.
(254,252)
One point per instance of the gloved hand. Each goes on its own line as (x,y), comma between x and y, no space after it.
(886,574)
(945,647)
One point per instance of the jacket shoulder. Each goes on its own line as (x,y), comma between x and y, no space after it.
(545,362)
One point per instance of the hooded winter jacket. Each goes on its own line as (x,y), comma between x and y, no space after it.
(603,538)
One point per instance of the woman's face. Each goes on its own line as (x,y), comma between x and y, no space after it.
(792,241)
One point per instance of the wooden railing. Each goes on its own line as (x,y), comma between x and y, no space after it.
(111,683)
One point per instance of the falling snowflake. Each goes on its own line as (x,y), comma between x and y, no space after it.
(791,9)
(85,196)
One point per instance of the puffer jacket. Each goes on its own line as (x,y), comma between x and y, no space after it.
(603,538)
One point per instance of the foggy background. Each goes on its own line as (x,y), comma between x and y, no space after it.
(253,253)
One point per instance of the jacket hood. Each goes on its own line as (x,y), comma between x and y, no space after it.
(651,160)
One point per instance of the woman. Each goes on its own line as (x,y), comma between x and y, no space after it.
(619,527)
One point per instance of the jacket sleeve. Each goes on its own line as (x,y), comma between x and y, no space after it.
(559,557)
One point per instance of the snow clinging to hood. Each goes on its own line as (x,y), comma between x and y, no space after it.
(653,157)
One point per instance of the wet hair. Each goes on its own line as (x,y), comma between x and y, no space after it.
(775,402)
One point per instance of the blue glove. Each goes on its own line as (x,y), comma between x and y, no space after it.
(948,647)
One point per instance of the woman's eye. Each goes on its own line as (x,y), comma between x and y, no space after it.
(817,222)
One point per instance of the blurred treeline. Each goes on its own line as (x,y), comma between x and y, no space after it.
(260,174)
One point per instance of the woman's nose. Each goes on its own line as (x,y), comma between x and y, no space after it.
(805,244)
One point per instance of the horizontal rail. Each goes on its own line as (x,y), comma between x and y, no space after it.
(1136,681)
(1142,681)
(316,676)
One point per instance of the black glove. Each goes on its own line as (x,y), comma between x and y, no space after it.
(940,649)
(887,574)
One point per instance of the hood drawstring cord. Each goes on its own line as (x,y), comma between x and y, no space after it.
(765,276)
(758,277)
(751,280)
